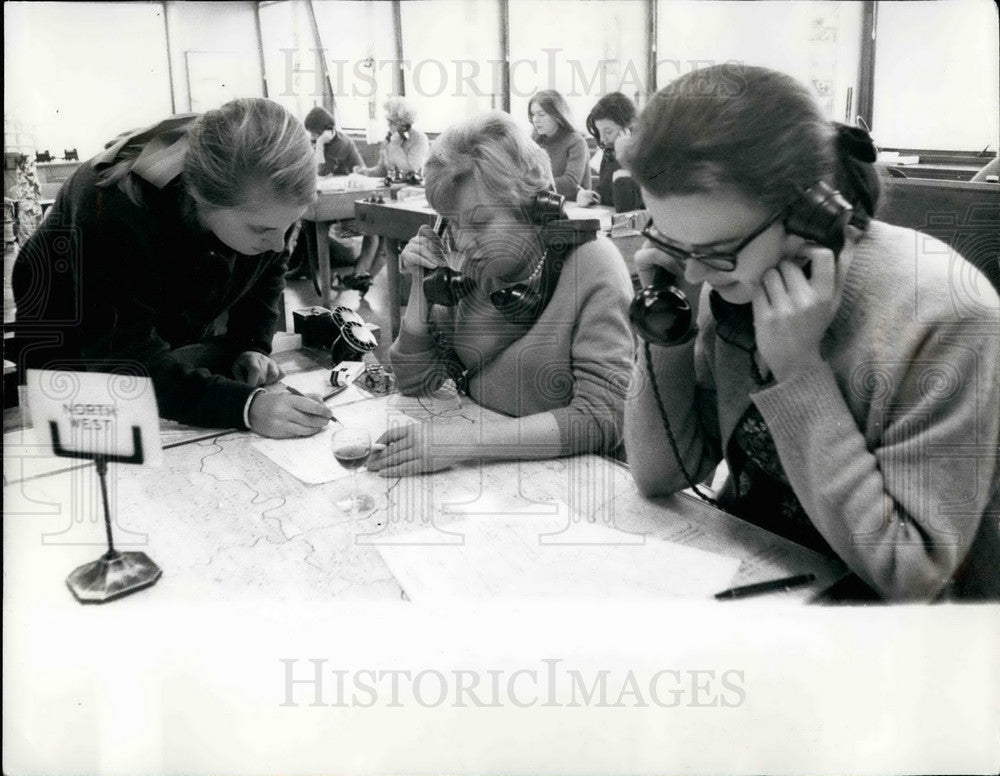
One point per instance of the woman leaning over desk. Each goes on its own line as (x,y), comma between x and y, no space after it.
(559,374)
(567,149)
(853,396)
(151,241)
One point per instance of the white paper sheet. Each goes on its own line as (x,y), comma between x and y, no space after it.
(506,556)
(310,459)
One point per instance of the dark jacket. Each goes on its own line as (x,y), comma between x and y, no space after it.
(107,283)
(623,194)
(340,156)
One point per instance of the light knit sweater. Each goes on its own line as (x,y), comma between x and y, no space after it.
(570,160)
(890,444)
(404,155)
(574,361)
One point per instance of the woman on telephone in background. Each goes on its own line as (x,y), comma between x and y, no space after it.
(538,332)
(405,149)
(567,149)
(610,123)
(833,385)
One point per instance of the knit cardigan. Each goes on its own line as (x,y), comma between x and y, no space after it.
(890,444)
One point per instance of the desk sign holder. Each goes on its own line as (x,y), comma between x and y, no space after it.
(107,418)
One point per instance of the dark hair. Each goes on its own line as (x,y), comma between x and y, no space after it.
(614,107)
(757,131)
(556,106)
(319,120)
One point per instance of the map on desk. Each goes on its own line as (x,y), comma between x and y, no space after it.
(511,556)
(226,522)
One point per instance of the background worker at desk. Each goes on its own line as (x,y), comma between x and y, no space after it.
(151,241)
(405,148)
(552,124)
(403,154)
(610,123)
(335,154)
(558,366)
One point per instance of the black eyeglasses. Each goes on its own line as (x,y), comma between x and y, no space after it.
(724,261)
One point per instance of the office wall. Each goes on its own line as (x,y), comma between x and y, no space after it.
(74,78)
(214,55)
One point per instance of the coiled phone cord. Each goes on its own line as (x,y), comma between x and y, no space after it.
(670,434)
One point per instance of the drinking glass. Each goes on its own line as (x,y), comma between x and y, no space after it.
(351,448)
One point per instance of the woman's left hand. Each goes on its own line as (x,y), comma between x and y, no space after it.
(792,313)
(255,368)
(418,448)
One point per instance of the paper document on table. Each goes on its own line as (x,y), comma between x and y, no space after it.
(351,182)
(317,381)
(505,556)
(311,460)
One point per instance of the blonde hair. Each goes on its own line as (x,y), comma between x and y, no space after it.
(246,144)
(494,152)
(398,109)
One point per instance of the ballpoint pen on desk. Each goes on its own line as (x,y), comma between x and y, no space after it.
(771,586)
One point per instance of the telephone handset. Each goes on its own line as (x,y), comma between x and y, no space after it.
(661,313)
(404,133)
(446,286)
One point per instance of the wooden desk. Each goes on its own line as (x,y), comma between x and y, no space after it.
(334,202)
(400,221)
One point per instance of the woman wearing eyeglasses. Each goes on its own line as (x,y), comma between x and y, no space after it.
(843,375)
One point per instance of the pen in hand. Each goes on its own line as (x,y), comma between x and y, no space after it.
(771,586)
(296,392)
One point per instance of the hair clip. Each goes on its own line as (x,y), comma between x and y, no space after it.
(856,142)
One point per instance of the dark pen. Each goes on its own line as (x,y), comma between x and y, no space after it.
(770,586)
(296,392)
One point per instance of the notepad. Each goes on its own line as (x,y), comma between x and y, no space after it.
(514,556)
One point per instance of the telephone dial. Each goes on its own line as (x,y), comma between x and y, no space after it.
(446,286)
(661,313)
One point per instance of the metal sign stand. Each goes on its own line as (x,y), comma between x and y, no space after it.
(115,574)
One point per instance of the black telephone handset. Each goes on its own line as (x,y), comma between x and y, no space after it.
(446,286)
(404,133)
(661,313)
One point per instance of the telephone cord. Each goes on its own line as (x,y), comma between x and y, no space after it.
(670,434)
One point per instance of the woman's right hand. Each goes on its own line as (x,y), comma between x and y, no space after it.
(586,197)
(280,414)
(424,252)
